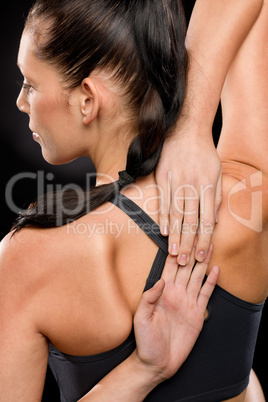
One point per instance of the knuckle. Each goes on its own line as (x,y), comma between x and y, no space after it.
(175,226)
(174,239)
(163,216)
(185,249)
(198,280)
(189,229)
(203,244)
(207,216)
(191,217)
(176,211)
(206,225)
(187,242)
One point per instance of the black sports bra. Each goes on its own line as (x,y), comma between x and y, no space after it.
(219,365)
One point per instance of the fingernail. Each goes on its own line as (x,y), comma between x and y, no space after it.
(174,249)
(183,259)
(164,230)
(201,256)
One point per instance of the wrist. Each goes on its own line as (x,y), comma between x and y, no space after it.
(189,127)
(197,117)
(148,375)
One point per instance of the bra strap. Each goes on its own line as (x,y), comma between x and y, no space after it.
(144,221)
(151,228)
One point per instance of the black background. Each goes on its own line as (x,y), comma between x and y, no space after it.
(19,153)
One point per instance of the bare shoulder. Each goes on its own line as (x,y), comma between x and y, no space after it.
(32,259)
(36,249)
(19,253)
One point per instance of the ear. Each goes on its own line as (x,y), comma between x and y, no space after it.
(90,100)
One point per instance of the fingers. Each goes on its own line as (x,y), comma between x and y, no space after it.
(208,287)
(176,217)
(190,223)
(197,276)
(148,300)
(185,211)
(207,221)
(184,272)
(164,189)
(170,269)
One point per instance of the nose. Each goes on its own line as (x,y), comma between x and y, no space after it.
(22,103)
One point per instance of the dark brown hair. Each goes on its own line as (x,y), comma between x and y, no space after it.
(143,43)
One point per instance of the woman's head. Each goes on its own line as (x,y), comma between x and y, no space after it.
(68,122)
(139,43)
(139,46)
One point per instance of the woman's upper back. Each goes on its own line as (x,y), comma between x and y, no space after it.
(83,281)
(237,318)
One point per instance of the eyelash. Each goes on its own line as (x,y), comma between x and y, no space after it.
(27,87)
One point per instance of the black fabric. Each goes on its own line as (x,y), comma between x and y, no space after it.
(219,365)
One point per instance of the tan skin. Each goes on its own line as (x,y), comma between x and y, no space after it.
(29,295)
(216,31)
(46,281)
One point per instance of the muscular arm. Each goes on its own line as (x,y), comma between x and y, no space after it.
(189,160)
(216,31)
(245,101)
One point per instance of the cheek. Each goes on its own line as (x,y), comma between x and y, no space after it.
(45,113)
(56,126)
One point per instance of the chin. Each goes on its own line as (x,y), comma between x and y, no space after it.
(56,160)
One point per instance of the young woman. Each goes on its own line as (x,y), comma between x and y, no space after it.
(78,292)
(108,110)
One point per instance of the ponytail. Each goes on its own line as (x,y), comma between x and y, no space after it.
(164,61)
(146,47)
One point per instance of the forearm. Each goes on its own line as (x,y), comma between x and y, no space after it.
(130,381)
(216,31)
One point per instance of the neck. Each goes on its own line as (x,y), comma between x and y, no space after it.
(110,160)
(109,136)
(109,175)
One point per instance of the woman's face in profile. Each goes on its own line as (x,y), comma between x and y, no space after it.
(53,111)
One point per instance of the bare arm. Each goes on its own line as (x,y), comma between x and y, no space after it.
(216,31)
(23,351)
(245,101)
(189,165)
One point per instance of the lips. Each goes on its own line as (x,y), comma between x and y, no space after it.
(35,136)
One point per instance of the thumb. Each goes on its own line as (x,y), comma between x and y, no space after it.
(148,301)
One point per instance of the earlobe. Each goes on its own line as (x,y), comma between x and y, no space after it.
(90,101)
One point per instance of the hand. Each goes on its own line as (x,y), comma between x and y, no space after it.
(170,316)
(189,178)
